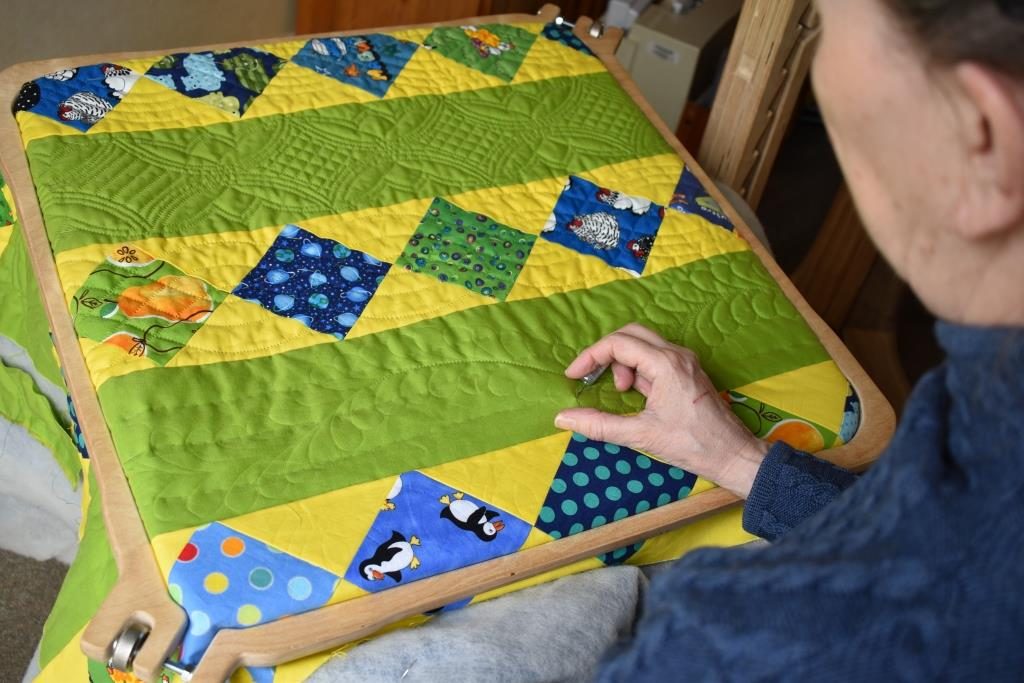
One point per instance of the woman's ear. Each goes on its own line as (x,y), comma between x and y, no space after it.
(993,133)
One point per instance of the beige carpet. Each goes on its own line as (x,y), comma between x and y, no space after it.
(27,591)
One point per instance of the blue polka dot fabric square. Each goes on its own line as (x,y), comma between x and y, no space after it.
(371,62)
(562,33)
(617,228)
(691,197)
(228,80)
(425,528)
(598,483)
(226,579)
(77,97)
(319,282)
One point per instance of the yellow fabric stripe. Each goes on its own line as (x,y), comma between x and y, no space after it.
(721,529)
(238,330)
(151,106)
(70,664)
(5,237)
(515,479)
(9,199)
(816,393)
(327,529)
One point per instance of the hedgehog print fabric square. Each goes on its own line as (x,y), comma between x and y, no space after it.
(78,97)
(617,228)
(319,282)
(467,249)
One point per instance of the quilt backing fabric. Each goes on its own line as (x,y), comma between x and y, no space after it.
(326,290)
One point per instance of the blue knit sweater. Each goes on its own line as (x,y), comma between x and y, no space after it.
(914,572)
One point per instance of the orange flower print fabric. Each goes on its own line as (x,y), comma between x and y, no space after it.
(144,306)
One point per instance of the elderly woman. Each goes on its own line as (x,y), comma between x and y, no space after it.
(915,570)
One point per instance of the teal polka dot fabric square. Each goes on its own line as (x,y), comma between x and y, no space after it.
(467,249)
(598,483)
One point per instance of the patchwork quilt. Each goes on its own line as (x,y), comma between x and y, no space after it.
(326,290)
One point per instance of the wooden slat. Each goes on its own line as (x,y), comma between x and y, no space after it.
(316,16)
(767,64)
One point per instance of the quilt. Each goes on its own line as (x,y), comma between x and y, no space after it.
(326,290)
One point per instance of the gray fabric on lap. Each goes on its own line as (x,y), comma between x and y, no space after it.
(552,632)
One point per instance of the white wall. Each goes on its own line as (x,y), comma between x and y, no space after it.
(40,29)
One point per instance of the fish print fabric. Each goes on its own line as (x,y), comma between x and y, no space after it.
(371,62)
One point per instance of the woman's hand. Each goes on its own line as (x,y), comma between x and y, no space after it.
(685,422)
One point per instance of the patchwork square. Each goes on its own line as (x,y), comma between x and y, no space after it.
(617,228)
(494,49)
(229,80)
(319,282)
(774,424)
(78,97)
(691,197)
(562,33)
(371,62)
(597,483)
(426,528)
(142,305)
(226,579)
(468,249)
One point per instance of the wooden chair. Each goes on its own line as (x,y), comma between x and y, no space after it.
(761,85)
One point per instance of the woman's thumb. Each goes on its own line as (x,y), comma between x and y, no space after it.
(599,426)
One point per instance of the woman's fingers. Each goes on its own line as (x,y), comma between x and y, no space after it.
(622,348)
(645,333)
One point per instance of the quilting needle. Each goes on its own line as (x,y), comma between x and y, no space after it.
(590,379)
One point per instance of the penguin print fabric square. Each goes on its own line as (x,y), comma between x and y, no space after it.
(494,49)
(691,197)
(617,228)
(228,80)
(426,527)
(369,62)
(77,97)
(467,249)
(319,282)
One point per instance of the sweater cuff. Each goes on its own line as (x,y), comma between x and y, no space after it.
(790,486)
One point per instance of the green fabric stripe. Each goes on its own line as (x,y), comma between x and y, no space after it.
(88,582)
(280,169)
(22,317)
(22,404)
(208,442)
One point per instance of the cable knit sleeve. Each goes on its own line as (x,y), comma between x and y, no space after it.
(789,487)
